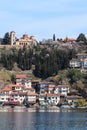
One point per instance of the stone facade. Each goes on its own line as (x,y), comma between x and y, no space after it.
(24,40)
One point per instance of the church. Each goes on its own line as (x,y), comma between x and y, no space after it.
(24,40)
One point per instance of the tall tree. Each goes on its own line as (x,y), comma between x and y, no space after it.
(82,38)
(54,37)
(6,39)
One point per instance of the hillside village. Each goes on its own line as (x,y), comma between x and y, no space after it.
(55,89)
(36,93)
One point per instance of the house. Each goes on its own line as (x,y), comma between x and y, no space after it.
(31,97)
(75,63)
(5,94)
(18,96)
(62,89)
(17,87)
(42,99)
(51,87)
(81,56)
(53,99)
(73,98)
(69,40)
(43,88)
(21,78)
(28,83)
(29,90)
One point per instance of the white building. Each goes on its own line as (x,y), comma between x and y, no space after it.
(5,94)
(28,84)
(62,89)
(31,97)
(18,96)
(18,87)
(42,99)
(75,63)
(53,99)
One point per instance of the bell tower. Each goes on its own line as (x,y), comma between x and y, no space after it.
(12,36)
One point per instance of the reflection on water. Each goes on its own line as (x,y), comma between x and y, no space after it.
(43,121)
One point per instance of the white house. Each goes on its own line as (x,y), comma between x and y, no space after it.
(5,94)
(53,99)
(29,90)
(62,89)
(17,87)
(18,96)
(43,88)
(31,97)
(42,99)
(75,63)
(28,84)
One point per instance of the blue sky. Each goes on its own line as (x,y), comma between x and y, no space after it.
(43,18)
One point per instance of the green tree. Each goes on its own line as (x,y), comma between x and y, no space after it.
(54,37)
(82,102)
(74,75)
(82,38)
(6,39)
(13,78)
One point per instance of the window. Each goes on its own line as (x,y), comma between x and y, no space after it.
(15,98)
(49,98)
(13,88)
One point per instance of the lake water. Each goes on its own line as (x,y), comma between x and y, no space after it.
(43,120)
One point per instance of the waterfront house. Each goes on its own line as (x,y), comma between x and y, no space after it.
(42,99)
(73,99)
(53,99)
(5,94)
(62,89)
(31,97)
(18,96)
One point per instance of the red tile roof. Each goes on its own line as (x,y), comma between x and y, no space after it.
(52,95)
(17,85)
(19,76)
(31,94)
(6,89)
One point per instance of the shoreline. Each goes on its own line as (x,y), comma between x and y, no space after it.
(33,109)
